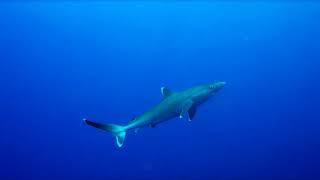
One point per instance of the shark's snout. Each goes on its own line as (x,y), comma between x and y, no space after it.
(221,84)
(217,86)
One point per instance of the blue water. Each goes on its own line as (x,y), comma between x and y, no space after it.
(61,62)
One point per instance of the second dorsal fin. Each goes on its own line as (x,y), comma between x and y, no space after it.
(132,119)
(165,92)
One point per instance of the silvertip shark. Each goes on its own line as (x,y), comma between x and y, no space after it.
(174,104)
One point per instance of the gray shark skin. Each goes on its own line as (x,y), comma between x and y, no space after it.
(174,104)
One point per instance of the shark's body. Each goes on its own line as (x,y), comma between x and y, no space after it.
(178,104)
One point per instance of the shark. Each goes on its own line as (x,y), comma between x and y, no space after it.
(173,104)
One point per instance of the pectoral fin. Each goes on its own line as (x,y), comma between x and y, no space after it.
(192,112)
(186,107)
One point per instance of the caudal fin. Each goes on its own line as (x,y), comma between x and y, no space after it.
(118,131)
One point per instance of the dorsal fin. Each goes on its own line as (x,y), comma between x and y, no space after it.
(165,92)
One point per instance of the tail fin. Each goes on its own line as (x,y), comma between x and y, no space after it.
(118,131)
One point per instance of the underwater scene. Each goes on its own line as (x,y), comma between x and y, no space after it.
(143,90)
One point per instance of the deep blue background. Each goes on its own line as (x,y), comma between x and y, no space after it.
(61,62)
